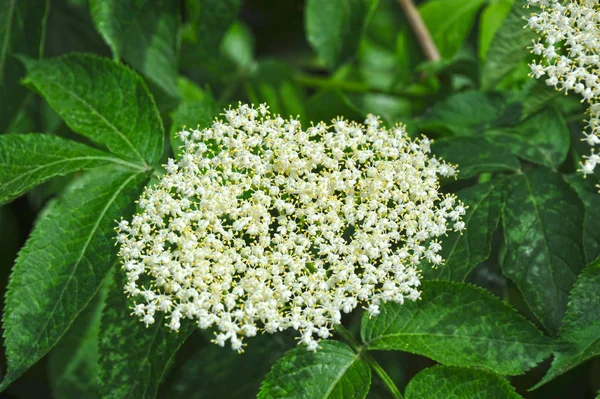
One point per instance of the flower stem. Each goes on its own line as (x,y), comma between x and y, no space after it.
(366,356)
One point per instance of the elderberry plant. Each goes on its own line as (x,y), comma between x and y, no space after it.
(299,199)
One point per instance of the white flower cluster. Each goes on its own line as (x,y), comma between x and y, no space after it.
(263,226)
(574,24)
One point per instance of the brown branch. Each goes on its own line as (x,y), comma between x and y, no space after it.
(418,26)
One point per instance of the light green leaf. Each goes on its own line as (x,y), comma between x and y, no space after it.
(113,18)
(509,46)
(215,372)
(588,192)
(470,113)
(62,265)
(192,114)
(449,22)
(27,160)
(580,330)
(458,324)
(475,155)
(543,228)
(491,20)
(73,362)
(333,371)
(23,24)
(443,382)
(334,28)
(134,359)
(462,252)
(103,101)
(238,45)
(542,139)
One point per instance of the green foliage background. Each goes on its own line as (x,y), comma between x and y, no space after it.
(91,95)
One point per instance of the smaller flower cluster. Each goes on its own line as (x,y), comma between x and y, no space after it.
(574,24)
(262,226)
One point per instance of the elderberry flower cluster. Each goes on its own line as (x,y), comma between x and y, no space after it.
(574,25)
(262,226)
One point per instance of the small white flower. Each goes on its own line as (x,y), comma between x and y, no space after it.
(262,226)
(575,26)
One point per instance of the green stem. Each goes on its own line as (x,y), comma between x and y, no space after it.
(347,86)
(366,356)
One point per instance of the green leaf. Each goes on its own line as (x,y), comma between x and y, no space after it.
(509,46)
(191,115)
(134,359)
(333,371)
(458,324)
(449,22)
(334,28)
(103,101)
(443,382)
(580,330)
(491,20)
(73,362)
(588,192)
(327,105)
(145,33)
(23,24)
(27,160)
(272,82)
(536,95)
(462,252)
(543,227)
(215,372)
(208,22)
(63,263)
(475,155)
(113,18)
(470,113)
(542,139)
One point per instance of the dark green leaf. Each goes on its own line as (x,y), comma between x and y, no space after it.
(216,372)
(462,252)
(23,23)
(588,192)
(208,22)
(333,371)
(509,46)
(535,96)
(101,100)
(542,139)
(543,228)
(443,382)
(449,22)
(580,330)
(272,82)
(113,18)
(458,324)
(27,160)
(73,363)
(191,115)
(327,105)
(134,359)
(475,155)
(491,20)
(61,267)
(334,28)
(470,113)
(145,33)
